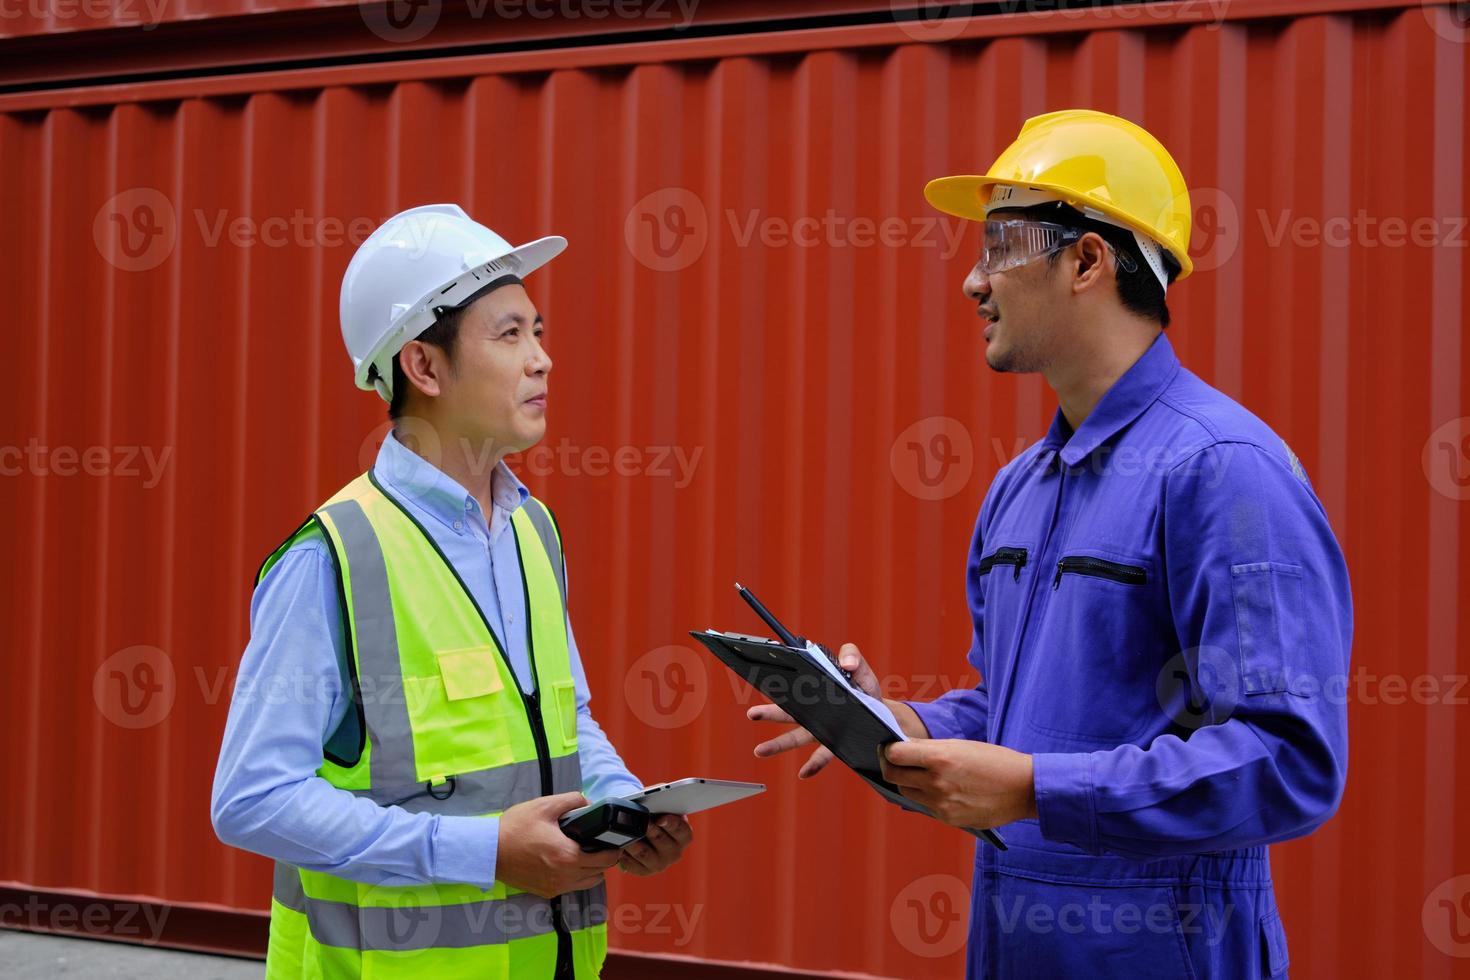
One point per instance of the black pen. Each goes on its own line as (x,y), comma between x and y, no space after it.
(782,633)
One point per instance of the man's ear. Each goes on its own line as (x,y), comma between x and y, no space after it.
(1092,254)
(423,365)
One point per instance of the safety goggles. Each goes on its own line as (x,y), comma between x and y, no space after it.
(1014,242)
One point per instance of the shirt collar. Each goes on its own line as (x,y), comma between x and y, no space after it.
(415,480)
(1135,391)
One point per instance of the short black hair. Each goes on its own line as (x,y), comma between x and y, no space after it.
(444,334)
(1139,290)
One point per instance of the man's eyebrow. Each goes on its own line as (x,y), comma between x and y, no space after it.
(518,319)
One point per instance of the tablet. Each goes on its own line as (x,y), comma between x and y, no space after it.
(686,796)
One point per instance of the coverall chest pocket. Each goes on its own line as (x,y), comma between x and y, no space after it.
(1003,578)
(1094,664)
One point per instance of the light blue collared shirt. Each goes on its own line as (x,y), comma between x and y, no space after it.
(291,700)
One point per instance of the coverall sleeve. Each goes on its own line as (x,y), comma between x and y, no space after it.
(1261,605)
(963,713)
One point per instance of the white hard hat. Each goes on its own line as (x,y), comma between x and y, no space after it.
(419,263)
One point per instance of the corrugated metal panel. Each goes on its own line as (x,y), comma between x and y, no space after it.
(178,401)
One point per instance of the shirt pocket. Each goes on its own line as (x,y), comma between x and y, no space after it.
(1266,593)
(1093,664)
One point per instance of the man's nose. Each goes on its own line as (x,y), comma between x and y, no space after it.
(977,285)
(539,363)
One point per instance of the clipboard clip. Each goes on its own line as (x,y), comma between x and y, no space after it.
(786,636)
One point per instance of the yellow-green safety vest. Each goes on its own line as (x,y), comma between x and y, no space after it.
(445,729)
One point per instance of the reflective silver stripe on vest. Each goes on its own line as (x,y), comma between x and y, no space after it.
(585,909)
(391,762)
(414,927)
(541,521)
(286,888)
(486,791)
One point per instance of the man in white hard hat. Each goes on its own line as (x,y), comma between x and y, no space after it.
(410,798)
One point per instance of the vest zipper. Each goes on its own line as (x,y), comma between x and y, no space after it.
(1004,556)
(1099,568)
(565,969)
(531,702)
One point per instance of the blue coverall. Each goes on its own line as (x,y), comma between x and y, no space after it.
(1162,617)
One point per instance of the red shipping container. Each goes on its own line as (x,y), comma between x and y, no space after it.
(756,297)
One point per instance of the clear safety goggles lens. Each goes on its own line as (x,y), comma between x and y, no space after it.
(1008,244)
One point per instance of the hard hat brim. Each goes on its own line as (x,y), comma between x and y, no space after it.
(520,261)
(964,196)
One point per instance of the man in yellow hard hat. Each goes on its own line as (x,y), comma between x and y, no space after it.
(1159,604)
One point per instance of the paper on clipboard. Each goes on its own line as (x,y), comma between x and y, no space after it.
(873,704)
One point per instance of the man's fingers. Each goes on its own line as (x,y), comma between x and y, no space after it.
(633,865)
(903,775)
(677,828)
(768,712)
(563,802)
(815,763)
(597,860)
(852,661)
(793,739)
(914,753)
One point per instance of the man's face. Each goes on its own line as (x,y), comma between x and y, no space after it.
(496,393)
(1020,309)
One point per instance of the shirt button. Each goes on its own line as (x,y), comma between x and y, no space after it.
(510,617)
(459,525)
(468,506)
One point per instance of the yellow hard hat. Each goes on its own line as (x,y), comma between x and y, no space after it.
(1105,166)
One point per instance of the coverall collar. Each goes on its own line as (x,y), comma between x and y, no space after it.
(1119,405)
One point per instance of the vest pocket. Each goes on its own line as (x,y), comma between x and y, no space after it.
(468,673)
(564,693)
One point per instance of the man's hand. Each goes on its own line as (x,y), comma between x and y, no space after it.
(851,660)
(668,835)
(535,856)
(964,783)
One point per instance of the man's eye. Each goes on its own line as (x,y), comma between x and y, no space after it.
(512,333)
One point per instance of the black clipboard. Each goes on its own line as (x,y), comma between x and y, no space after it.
(823,706)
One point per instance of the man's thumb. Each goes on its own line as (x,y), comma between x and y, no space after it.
(562,802)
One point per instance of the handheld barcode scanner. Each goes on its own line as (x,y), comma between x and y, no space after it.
(606,825)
